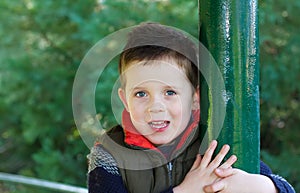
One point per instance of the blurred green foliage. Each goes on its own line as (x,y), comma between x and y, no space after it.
(280,88)
(43,43)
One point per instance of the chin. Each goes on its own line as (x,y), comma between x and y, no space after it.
(160,141)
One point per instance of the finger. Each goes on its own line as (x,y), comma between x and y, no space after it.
(229,162)
(214,187)
(220,156)
(208,154)
(196,162)
(222,173)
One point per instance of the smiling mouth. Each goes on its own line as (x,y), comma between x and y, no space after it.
(159,125)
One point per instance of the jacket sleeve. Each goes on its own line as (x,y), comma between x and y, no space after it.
(103,174)
(101,181)
(280,183)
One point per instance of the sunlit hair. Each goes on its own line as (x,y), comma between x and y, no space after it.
(144,44)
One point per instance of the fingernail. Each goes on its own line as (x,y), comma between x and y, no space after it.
(234,157)
(213,143)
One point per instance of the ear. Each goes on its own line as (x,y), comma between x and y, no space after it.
(196,99)
(122,97)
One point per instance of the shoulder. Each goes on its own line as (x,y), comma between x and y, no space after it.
(282,185)
(104,175)
(100,157)
(264,168)
(103,172)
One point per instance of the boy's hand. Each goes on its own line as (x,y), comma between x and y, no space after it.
(202,171)
(234,180)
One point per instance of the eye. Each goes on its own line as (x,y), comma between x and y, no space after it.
(170,93)
(140,94)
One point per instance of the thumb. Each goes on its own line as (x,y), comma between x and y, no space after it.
(215,187)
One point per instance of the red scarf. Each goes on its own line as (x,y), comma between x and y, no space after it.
(132,136)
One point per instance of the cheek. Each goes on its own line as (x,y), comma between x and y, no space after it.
(176,110)
(181,106)
(181,111)
(177,114)
(136,110)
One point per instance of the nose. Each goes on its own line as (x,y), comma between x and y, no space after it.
(156,105)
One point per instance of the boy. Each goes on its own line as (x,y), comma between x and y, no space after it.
(156,148)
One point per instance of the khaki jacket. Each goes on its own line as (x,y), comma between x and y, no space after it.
(148,170)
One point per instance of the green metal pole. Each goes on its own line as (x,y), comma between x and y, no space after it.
(229,29)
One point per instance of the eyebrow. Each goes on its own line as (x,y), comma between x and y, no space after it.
(144,88)
(137,88)
(172,87)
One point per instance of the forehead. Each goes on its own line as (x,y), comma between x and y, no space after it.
(163,71)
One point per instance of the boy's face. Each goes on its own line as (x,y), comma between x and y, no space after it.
(159,99)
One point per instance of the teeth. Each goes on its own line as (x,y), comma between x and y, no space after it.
(158,124)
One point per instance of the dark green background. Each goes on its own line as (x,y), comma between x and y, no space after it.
(43,42)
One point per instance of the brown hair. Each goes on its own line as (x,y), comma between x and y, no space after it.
(153,41)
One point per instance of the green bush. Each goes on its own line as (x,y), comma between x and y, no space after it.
(43,43)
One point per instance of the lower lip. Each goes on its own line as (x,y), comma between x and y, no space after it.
(162,129)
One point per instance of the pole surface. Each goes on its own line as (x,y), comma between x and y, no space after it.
(229,30)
